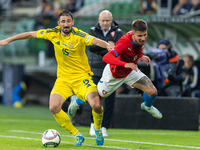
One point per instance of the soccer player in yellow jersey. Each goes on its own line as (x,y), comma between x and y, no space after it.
(73,71)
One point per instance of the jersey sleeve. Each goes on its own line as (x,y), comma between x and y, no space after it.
(43,34)
(111,57)
(88,39)
(119,49)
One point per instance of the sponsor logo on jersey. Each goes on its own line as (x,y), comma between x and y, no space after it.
(104,92)
(112,33)
(58,42)
(71,44)
(135,58)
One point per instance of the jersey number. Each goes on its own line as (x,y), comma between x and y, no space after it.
(64,50)
(86,82)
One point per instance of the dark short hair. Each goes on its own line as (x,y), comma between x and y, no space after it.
(66,13)
(139,25)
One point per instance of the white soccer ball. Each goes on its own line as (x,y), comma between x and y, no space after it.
(51,138)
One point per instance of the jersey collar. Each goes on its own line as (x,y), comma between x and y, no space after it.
(135,44)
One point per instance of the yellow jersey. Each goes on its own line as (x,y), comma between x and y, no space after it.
(70,54)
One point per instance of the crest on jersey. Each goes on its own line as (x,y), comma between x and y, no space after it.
(112,33)
(104,92)
(135,58)
(71,44)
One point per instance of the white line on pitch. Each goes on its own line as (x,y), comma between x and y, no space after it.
(125,141)
(27,138)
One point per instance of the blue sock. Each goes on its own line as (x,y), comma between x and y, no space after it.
(148,100)
(80,102)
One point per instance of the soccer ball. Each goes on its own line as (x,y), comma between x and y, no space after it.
(51,138)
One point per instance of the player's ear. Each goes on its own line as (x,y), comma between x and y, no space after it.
(73,22)
(58,22)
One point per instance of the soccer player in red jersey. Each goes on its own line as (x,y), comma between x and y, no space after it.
(122,67)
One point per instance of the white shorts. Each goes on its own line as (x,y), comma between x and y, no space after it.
(108,84)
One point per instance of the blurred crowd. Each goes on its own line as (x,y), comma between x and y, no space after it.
(147,7)
(45,7)
(48,11)
(179,7)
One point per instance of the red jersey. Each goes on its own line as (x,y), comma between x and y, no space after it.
(125,51)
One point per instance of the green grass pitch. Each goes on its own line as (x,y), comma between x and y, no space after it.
(21,129)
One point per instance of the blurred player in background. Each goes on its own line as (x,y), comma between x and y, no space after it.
(73,71)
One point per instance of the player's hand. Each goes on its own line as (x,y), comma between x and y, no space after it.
(146,59)
(132,66)
(4,42)
(110,46)
(111,43)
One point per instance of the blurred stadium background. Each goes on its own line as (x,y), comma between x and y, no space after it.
(34,58)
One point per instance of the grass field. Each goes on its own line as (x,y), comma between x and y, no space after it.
(21,129)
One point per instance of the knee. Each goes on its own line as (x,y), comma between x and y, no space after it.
(97,108)
(153,92)
(54,108)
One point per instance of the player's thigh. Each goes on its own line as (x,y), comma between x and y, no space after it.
(146,86)
(135,79)
(55,103)
(84,86)
(62,88)
(107,84)
(106,88)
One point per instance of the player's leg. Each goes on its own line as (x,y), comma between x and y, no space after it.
(86,90)
(61,117)
(57,98)
(97,113)
(74,106)
(92,130)
(149,95)
(108,112)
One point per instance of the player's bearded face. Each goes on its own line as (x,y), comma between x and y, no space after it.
(66,23)
(66,29)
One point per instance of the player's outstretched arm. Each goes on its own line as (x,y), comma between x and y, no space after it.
(21,36)
(101,43)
